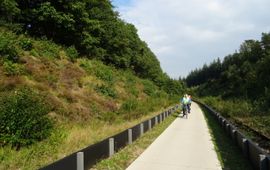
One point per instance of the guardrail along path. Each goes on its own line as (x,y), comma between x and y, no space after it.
(185,144)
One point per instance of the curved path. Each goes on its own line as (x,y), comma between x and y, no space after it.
(185,145)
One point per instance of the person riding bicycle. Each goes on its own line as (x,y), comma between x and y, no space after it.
(184,104)
(189,103)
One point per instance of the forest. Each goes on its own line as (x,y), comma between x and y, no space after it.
(242,75)
(238,87)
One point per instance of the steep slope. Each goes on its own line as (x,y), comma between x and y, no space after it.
(86,100)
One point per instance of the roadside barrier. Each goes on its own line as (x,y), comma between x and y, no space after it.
(259,157)
(85,159)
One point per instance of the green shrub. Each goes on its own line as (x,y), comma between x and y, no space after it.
(23,118)
(47,49)
(129,105)
(86,65)
(106,90)
(12,69)
(34,53)
(72,53)
(105,74)
(7,49)
(149,88)
(26,44)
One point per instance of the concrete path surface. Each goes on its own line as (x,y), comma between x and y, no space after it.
(185,145)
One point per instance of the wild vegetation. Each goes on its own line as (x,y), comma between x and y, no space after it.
(90,27)
(71,74)
(239,86)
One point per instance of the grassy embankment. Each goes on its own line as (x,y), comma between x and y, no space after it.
(89,101)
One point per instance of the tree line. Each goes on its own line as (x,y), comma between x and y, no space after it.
(243,75)
(93,28)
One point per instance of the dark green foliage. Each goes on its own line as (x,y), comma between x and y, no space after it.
(26,44)
(72,53)
(12,69)
(106,90)
(7,49)
(105,74)
(23,118)
(244,75)
(8,9)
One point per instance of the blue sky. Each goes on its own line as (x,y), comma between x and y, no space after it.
(185,34)
(121,3)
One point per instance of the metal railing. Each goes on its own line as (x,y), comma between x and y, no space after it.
(259,158)
(89,156)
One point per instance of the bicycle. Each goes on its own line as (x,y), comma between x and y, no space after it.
(185,110)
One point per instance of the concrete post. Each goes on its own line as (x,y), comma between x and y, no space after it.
(156,120)
(228,128)
(80,161)
(263,162)
(149,124)
(111,147)
(160,117)
(245,147)
(141,129)
(223,124)
(129,136)
(233,135)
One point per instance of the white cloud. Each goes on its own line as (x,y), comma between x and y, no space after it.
(185,34)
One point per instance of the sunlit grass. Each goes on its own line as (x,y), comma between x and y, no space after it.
(64,141)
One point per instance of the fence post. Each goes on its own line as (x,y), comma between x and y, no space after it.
(233,134)
(149,124)
(160,117)
(129,136)
(263,162)
(156,121)
(80,161)
(245,147)
(141,129)
(111,147)
(224,124)
(228,128)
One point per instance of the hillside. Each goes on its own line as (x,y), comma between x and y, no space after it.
(239,86)
(85,100)
(71,74)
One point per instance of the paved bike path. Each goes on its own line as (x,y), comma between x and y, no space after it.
(185,145)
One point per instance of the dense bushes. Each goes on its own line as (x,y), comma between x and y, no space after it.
(23,118)
(7,49)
